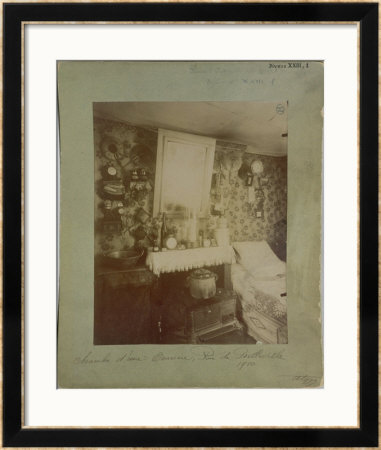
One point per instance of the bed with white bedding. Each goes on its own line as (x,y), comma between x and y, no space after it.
(259,279)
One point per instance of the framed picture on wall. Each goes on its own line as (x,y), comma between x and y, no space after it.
(184,238)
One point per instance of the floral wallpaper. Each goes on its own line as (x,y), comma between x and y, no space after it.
(239,207)
(123,205)
(125,162)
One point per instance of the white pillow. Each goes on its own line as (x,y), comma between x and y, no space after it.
(258,258)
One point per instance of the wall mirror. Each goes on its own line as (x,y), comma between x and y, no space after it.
(184,168)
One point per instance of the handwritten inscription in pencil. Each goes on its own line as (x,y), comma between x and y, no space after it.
(239,357)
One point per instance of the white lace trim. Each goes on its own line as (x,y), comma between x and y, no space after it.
(181,260)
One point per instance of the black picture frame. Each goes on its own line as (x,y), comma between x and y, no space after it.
(14,435)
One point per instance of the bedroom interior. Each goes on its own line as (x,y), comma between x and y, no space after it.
(190,223)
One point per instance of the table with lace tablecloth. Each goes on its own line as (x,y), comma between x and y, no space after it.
(189,259)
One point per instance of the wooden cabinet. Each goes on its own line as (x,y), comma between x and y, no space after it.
(131,307)
(123,307)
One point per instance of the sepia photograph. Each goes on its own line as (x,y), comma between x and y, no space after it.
(190,222)
(195,255)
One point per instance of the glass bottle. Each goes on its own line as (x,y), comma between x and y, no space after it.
(164,231)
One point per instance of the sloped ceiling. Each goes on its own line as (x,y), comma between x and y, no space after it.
(261,126)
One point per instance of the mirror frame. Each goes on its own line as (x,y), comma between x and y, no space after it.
(164,138)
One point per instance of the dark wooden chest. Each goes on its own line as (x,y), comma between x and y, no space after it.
(123,307)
